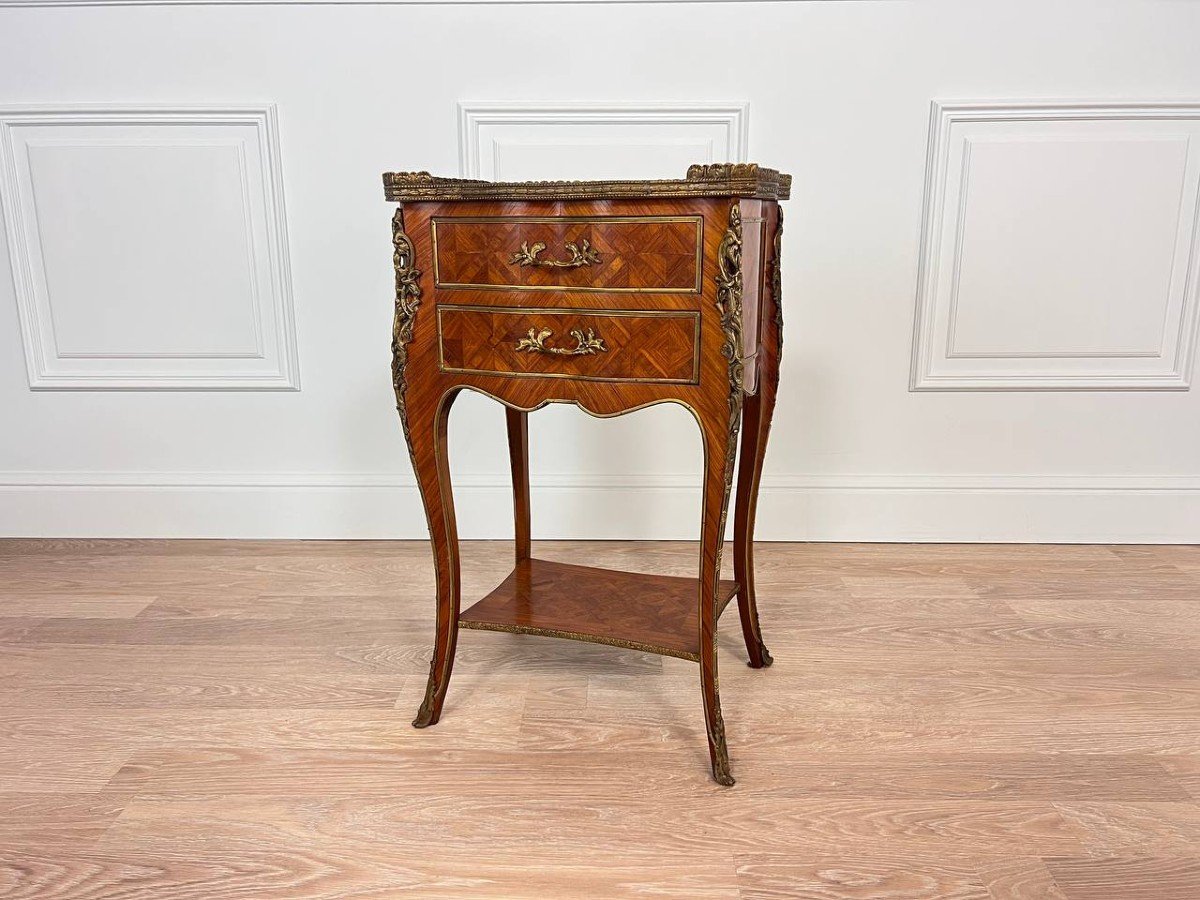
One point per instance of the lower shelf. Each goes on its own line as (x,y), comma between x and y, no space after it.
(653,613)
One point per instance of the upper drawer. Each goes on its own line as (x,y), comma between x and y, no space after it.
(626,254)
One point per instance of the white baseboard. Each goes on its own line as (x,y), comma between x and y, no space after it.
(1066,509)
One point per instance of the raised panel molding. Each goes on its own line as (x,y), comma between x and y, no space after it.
(319,505)
(663,137)
(1060,247)
(149,247)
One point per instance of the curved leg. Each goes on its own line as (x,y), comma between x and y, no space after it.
(719,449)
(427,429)
(518,455)
(756,423)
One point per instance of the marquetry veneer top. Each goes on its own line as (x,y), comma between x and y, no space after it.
(717,180)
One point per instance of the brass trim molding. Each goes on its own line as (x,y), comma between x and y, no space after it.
(696,288)
(747,180)
(693,314)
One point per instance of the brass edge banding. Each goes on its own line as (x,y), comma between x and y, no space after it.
(567,289)
(580,310)
(710,180)
(476,625)
(596,415)
(574,220)
(595,379)
(698,287)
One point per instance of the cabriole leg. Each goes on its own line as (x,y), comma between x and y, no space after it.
(719,470)
(756,421)
(427,428)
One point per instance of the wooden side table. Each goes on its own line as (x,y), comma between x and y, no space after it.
(612,295)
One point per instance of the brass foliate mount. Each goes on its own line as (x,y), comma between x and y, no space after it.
(777,285)
(425,716)
(729,307)
(408,298)
(581,254)
(586,343)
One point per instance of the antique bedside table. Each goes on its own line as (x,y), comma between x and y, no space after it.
(612,295)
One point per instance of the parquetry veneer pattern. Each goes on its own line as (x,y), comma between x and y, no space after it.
(629,254)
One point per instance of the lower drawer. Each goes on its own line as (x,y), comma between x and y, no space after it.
(587,345)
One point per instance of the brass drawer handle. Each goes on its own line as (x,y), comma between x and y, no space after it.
(585,343)
(582,254)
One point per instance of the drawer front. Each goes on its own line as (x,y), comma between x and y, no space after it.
(585,345)
(630,254)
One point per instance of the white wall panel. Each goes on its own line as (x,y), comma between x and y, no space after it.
(148,247)
(536,141)
(1060,248)
(1075,263)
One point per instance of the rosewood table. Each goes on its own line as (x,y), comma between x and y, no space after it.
(613,296)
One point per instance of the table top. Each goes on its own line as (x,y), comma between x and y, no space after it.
(748,180)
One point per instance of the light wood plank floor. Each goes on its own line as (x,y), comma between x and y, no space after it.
(198,719)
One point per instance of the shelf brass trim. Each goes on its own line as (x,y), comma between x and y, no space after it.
(475,625)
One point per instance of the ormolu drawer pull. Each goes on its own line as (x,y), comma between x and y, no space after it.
(585,343)
(582,254)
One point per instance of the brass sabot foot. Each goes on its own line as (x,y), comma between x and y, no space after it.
(429,713)
(764,654)
(722,777)
(424,719)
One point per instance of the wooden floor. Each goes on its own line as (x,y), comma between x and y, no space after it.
(217,720)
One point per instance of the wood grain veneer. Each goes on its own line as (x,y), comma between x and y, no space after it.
(654,613)
(634,254)
(635,346)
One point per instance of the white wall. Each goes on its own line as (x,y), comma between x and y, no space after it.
(991,335)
